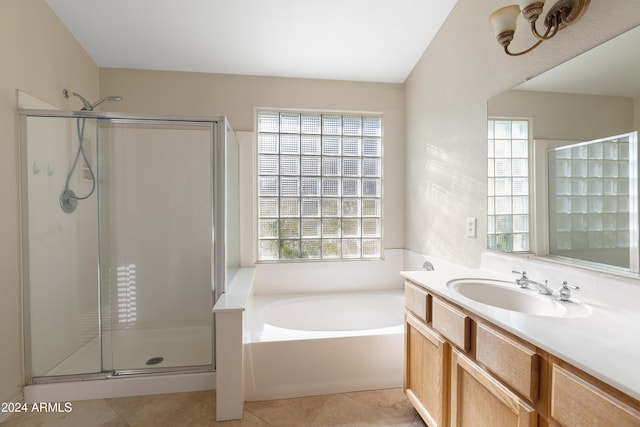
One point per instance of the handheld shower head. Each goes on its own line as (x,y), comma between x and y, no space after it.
(86,105)
(111,98)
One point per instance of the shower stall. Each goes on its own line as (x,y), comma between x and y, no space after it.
(130,234)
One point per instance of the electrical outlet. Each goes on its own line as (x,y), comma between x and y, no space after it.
(471,227)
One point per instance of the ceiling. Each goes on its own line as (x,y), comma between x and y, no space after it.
(609,69)
(359,40)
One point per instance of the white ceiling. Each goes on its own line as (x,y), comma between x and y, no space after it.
(360,40)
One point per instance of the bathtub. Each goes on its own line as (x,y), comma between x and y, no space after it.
(309,344)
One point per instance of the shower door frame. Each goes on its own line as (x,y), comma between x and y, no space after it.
(218,185)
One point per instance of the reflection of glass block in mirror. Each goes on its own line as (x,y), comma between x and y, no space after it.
(594,204)
(595,151)
(491,225)
(502,167)
(623,187)
(623,169)
(578,168)
(579,240)
(610,168)
(503,224)
(622,239)
(563,167)
(563,241)
(519,167)
(610,186)
(579,152)
(520,186)
(594,168)
(579,222)
(594,187)
(503,205)
(609,222)
(578,187)
(502,186)
(520,242)
(520,205)
(609,204)
(609,239)
(563,186)
(610,150)
(595,240)
(623,221)
(520,223)
(502,148)
(563,204)
(563,222)
(578,204)
(594,222)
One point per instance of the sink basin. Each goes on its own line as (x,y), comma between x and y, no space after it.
(508,296)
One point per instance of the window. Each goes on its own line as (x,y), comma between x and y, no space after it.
(508,185)
(319,186)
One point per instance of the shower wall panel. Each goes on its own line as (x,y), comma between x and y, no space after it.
(62,249)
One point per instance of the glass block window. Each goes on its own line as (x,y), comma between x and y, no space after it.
(508,185)
(319,186)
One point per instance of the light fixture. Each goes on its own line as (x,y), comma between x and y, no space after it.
(561,14)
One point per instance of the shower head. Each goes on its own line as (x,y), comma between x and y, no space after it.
(111,98)
(86,105)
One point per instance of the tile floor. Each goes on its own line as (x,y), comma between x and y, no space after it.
(366,408)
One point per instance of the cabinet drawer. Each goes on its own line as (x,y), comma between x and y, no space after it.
(451,323)
(418,301)
(577,402)
(515,363)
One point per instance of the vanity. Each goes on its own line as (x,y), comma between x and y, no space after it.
(480,351)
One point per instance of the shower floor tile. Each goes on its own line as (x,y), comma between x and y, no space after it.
(366,408)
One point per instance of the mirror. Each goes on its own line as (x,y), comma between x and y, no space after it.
(591,97)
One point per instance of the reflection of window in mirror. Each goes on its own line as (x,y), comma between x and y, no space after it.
(508,185)
(592,202)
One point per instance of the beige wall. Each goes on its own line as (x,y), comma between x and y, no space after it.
(238,96)
(446,115)
(39,56)
(563,116)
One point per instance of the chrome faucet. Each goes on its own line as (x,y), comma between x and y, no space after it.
(525,283)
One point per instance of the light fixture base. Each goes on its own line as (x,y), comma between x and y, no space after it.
(533,11)
(569,12)
(505,37)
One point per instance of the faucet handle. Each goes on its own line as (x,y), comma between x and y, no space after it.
(565,291)
(522,273)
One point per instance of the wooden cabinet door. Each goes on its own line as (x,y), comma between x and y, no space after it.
(479,400)
(575,401)
(426,371)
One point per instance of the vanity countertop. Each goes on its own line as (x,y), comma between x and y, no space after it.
(605,344)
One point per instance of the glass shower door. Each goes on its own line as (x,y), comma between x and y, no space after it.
(156,219)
